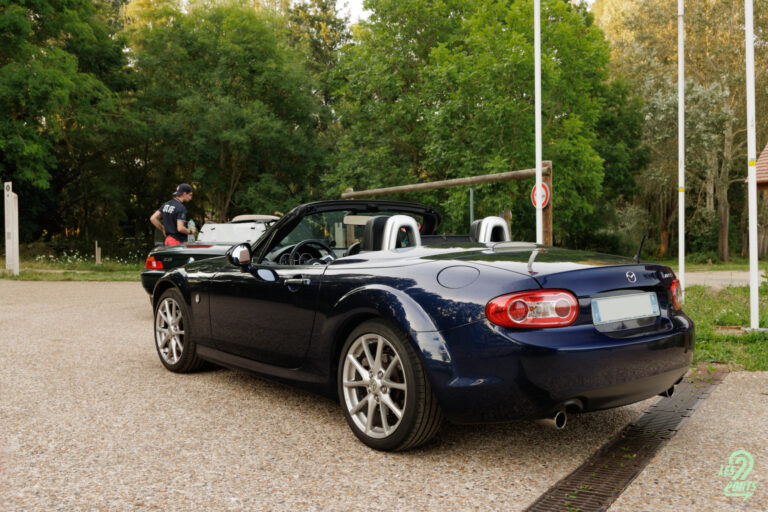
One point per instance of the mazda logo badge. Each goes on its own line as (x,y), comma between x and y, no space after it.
(631,277)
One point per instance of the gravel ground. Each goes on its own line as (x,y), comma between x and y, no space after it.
(684,475)
(90,420)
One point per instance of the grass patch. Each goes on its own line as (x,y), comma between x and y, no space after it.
(710,308)
(73,267)
(38,275)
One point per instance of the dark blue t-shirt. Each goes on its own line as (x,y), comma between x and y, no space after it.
(172,211)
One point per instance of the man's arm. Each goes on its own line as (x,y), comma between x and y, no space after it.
(155,220)
(181,228)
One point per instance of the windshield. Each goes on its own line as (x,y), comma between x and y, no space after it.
(339,230)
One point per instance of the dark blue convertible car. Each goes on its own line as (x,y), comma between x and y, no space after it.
(362,302)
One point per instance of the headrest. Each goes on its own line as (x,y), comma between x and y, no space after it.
(489,229)
(373,233)
(400,231)
(383,233)
(474,230)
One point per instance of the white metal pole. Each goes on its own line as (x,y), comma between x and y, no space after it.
(471,206)
(751,168)
(15,228)
(537,101)
(681,143)
(7,233)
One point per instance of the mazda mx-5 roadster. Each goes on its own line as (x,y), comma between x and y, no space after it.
(363,302)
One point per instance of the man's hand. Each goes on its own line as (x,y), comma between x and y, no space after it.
(181,228)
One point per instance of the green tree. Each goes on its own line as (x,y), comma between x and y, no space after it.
(644,36)
(228,104)
(60,64)
(315,27)
(51,58)
(439,90)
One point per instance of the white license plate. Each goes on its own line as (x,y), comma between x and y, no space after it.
(624,307)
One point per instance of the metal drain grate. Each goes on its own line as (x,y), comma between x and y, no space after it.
(596,484)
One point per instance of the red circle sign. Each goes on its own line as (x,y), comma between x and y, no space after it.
(544,194)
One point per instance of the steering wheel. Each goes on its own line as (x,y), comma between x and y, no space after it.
(295,256)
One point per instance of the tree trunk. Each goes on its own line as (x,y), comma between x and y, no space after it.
(762,225)
(721,192)
(743,226)
(664,240)
(710,180)
(724,214)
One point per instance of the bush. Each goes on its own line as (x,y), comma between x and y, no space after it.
(702,232)
(708,257)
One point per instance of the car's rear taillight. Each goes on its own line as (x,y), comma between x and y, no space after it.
(677,294)
(531,309)
(153,264)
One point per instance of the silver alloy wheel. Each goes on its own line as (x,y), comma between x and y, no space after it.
(374,384)
(169,330)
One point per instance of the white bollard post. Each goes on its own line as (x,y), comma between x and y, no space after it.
(11,229)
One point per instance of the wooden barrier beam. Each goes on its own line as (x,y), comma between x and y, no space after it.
(458,182)
(546,212)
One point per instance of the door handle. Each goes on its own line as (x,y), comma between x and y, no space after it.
(297,282)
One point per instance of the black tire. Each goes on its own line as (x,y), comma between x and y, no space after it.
(168,341)
(380,427)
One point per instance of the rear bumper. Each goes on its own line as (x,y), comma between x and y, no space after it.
(494,374)
(149,278)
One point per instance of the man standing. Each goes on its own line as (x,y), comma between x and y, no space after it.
(171,217)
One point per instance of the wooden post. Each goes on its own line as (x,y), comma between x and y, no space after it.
(98,253)
(350,228)
(11,229)
(546,213)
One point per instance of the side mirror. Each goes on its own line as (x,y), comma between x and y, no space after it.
(240,255)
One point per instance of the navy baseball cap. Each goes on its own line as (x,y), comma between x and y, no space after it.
(183,189)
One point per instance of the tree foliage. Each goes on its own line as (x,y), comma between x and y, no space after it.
(439,90)
(227,104)
(60,65)
(644,37)
(263,104)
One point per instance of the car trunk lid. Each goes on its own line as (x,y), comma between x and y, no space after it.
(616,283)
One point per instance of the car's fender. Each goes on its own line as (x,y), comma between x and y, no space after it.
(399,309)
(176,278)
(390,303)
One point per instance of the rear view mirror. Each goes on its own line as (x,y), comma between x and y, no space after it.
(240,255)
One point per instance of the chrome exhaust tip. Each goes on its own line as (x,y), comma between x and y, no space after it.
(668,393)
(556,420)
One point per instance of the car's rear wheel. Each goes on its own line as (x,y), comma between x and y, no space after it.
(384,391)
(173,337)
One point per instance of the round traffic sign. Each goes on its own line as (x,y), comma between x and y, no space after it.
(542,195)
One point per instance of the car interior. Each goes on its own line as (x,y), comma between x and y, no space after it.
(321,238)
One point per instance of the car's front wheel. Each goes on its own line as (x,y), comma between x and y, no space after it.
(384,391)
(173,337)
